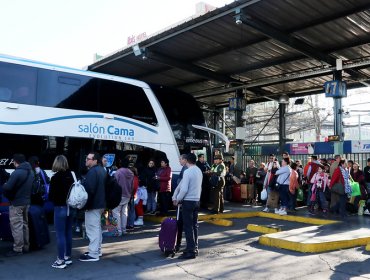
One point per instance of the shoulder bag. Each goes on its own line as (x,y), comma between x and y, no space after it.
(337,188)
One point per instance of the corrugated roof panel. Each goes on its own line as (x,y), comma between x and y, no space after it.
(201,55)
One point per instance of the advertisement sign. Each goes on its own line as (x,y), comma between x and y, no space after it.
(360,146)
(302,148)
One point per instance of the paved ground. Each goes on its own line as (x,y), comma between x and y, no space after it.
(225,253)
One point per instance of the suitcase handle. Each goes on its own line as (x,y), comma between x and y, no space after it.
(178,212)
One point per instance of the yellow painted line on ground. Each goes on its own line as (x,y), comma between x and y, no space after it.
(220,222)
(367,248)
(238,215)
(241,215)
(154,219)
(299,219)
(263,229)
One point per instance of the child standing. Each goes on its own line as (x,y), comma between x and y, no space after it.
(140,201)
(319,181)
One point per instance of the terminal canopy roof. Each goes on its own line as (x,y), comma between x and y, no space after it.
(263,48)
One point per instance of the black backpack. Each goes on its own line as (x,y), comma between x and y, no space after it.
(113,192)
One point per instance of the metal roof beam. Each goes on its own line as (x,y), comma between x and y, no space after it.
(286,39)
(189,67)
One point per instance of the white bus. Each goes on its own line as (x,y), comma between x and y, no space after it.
(47,110)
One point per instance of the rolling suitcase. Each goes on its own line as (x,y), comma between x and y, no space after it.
(38,227)
(168,235)
(236,193)
(5,231)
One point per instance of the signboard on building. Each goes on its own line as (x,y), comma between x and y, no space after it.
(132,40)
(237,104)
(360,146)
(335,89)
(302,148)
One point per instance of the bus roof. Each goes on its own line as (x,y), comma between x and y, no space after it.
(49,66)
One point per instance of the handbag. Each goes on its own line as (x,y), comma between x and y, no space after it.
(338,188)
(299,195)
(355,186)
(264,194)
(213,180)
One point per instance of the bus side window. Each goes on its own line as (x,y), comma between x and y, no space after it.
(23,95)
(5,94)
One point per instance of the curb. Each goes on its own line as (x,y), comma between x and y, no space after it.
(310,247)
(263,229)
(220,222)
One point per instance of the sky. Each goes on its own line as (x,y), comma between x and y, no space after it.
(70,32)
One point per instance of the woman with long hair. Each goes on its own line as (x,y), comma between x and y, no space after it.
(164,176)
(60,184)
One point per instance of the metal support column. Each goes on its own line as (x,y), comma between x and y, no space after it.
(216,122)
(338,117)
(338,111)
(282,127)
(239,123)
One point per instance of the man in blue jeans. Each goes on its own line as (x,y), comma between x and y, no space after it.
(187,193)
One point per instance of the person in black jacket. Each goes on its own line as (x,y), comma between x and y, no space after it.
(94,184)
(147,178)
(60,184)
(18,190)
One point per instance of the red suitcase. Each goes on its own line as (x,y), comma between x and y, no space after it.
(236,193)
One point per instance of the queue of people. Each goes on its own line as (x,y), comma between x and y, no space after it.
(324,185)
(327,187)
(29,185)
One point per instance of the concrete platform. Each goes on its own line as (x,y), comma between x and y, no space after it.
(322,235)
(314,239)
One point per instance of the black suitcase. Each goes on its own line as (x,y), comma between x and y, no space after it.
(38,227)
(5,231)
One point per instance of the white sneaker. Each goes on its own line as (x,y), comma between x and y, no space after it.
(282,212)
(277,211)
(139,222)
(367,212)
(266,209)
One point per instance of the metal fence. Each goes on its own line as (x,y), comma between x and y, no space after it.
(359,158)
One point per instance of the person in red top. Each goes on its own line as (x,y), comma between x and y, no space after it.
(340,176)
(164,176)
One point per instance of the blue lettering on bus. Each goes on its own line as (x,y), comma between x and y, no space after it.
(112,130)
(120,131)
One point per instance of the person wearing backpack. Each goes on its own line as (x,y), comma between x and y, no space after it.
(94,184)
(60,184)
(40,187)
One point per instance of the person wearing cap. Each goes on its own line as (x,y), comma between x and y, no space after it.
(367,175)
(219,169)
